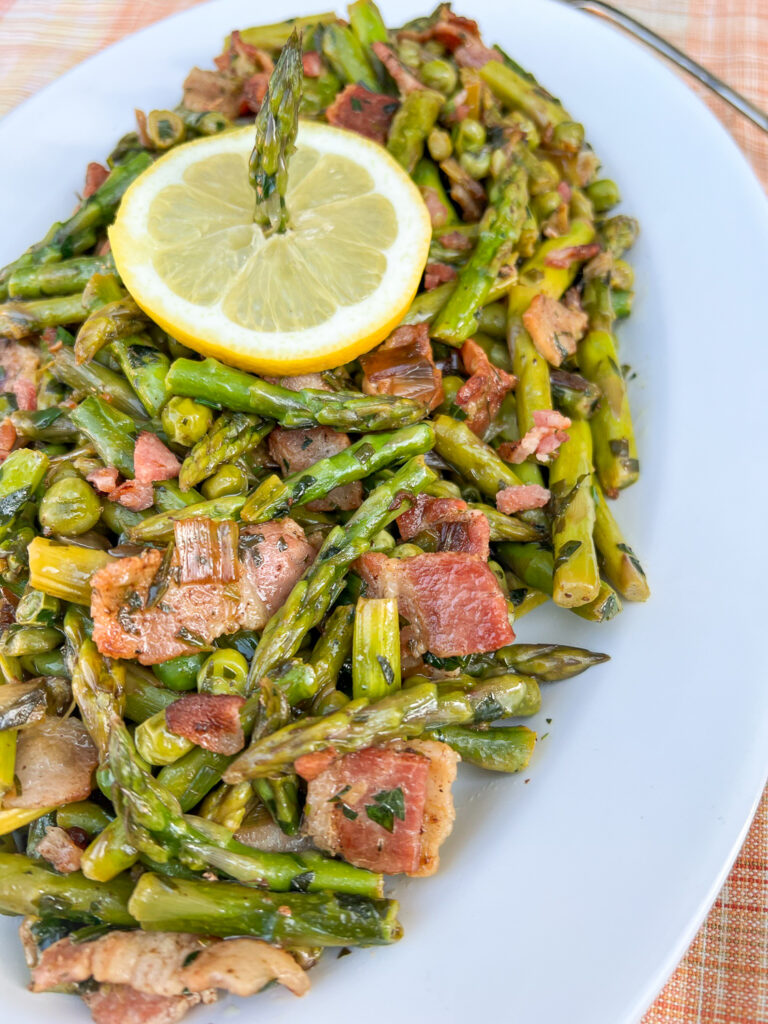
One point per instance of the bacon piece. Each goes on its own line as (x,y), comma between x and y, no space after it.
(207,550)
(481,396)
(454,526)
(7,439)
(136,495)
(362,111)
(456,240)
(272,557)
(211,720)
(452,601)
(473,53)
(404,365)
(242,58)
(213,90)
(25,392)
(297,450)
(435,206)
(121,1004)
(254,91)
(405,80)
(18,362)
(465,191)
(168,964)
(312,63)
(55,762)
(95,176)
(385,808)
(8,603)
(542,440)
(565,192)
(436,274)
(60,850)
(152,461)
(563,258)
(104,479)
(521,497)
(450,29)
(554,328)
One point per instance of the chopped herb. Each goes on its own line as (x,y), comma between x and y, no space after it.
(388,805)
(386,669)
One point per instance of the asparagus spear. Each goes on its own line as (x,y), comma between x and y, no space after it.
(230,436)
(347,56)
(97,381)
(20,476)
(401,715)
(160,527)
(619,561)
(79,232)
(221,385)
(523,93)
(65,278)
(49,425)
(499,233)
(507,749)
(276,125)
(275,498)
(156,826)
(547,662)
(577,578)
(21,319)
(27,888)
(376,649)
(146,367)
(411,125)
(64,570)
(330,652)
(535,565)
(97,685)
(616,459)
(224,909)
(117,318)
(574,395)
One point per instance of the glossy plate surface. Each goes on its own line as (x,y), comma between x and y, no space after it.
(571,897)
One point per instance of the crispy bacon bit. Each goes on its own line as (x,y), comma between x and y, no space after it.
(60,850)
(297,450)
(207,550)
(312,63)
(450,522)
(362,111)
(563,258)
(7,439)
(465,191)
(450,29)
(385,808)
(213,90)
(435,206)
(136,495)
(254,91)
(121,1004)
(564,189)
(542,440)
(481,396)
(211,720)
(141,129)
(168,964)
(521,498)
(95,176)
(8,603)
(554,328)
(272,557)
(55,762)
(405,80)
(452,601)
(404,365)
(242,58)
(152,461)
(456,241)
(104,479)
(18,363)
(25,392)
(436,274)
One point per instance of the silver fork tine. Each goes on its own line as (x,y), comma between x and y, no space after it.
(666,49)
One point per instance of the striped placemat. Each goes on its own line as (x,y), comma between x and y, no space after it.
(723,979)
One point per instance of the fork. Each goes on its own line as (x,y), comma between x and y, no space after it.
(666,49)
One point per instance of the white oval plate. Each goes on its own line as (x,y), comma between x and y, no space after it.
(570,898)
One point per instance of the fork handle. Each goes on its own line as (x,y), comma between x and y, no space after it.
(666,49)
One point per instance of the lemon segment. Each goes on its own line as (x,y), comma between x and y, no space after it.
(331,287)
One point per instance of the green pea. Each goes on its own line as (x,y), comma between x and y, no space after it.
(580,206)
(568,136)
(477,165)
(439,144)
(228,479)
(180,673)
(224,671)
(545,204)
(185,421)
(622,276)
(469,136)
(409,52)
(622,303)
(543,177)
(604,194)
(383,541)
(439,75)
(70,507)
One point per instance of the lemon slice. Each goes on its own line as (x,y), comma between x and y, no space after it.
(336,283)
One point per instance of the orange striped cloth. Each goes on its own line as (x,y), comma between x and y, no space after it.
(723,979)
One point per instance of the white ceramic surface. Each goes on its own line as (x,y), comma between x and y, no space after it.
(568,898)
